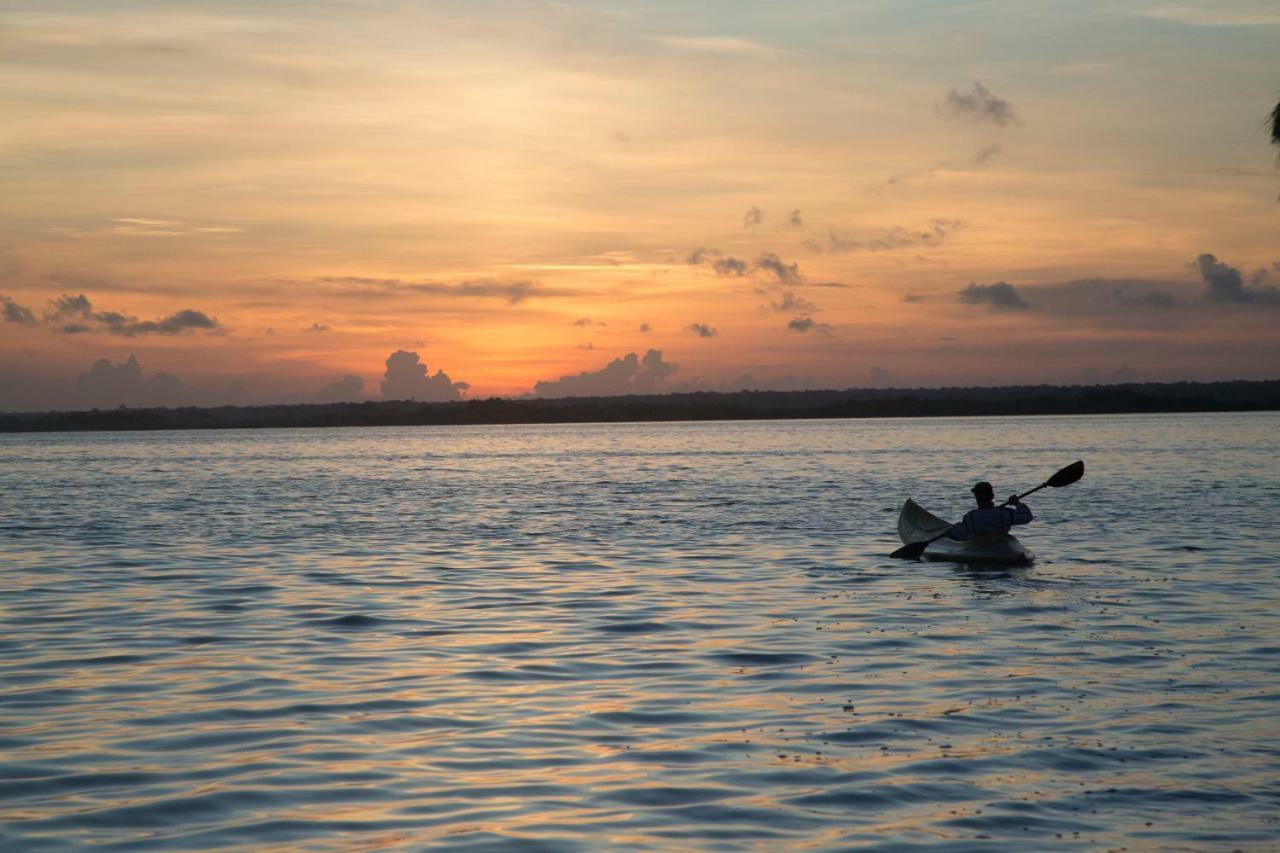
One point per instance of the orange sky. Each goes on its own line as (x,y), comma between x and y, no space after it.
(514,191)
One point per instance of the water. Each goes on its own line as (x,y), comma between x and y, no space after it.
(655,636)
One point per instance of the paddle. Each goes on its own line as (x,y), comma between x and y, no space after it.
(1065,477)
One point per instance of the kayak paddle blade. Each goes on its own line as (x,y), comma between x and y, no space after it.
(1068,475)
(910,551)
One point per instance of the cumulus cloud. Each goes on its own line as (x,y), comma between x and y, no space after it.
(646,328)
(725,265)
(15,313)
(890,238)
(784,272)
(808,324)
(1000,296)
(792,304)
(347,389)
(752,217)
(1224,283)
(407,379)
(66,307)
(107,385)
(730,266)
(794,219)
(978,104)
(183,321)
(702,330)
(76,316)
(630,374)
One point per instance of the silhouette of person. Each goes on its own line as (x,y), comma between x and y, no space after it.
(989,518)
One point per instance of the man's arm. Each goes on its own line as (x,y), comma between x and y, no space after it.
(1020,513)
(960,530)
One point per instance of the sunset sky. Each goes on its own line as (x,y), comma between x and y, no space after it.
(258,199)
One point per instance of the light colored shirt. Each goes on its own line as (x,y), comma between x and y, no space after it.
(985,521)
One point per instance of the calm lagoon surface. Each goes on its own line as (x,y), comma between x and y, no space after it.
(661,636)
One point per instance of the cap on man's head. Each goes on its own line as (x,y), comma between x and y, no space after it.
(983,490)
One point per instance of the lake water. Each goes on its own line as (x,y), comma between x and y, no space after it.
(662,636)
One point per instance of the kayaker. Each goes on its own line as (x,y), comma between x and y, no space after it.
(989,518)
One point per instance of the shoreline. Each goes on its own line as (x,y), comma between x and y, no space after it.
(700,406)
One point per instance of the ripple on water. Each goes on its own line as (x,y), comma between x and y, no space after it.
(651,636)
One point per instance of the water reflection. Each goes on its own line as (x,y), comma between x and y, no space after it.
(650,636)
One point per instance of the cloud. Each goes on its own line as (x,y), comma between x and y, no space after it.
(785,273)
(630,374)
(1139,299)
(347,389)
(730,266)
(717,44)
(978,104)
(107,385)
(67,306)
(808,324)
(1224,283)
(752,217)
(702,330)
(992,151)
(1000,296)
(646,328)
(768,262)
(15,313)
(79,310)
(787,382)
(407,379)
(912,297)
(1211,14)
(794,220)
(904,178)
(792,303)
(891,238)
(318,327)
(183,321)
(514,292)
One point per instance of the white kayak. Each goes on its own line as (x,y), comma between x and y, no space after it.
(917,524)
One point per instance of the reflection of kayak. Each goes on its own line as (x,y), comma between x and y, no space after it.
(917,524)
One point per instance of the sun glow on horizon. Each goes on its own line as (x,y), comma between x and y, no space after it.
(846,197)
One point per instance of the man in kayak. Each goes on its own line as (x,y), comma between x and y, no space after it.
(989,518)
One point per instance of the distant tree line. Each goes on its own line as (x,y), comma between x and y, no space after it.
(699,406)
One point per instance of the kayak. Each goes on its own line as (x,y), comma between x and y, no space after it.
(917,524)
